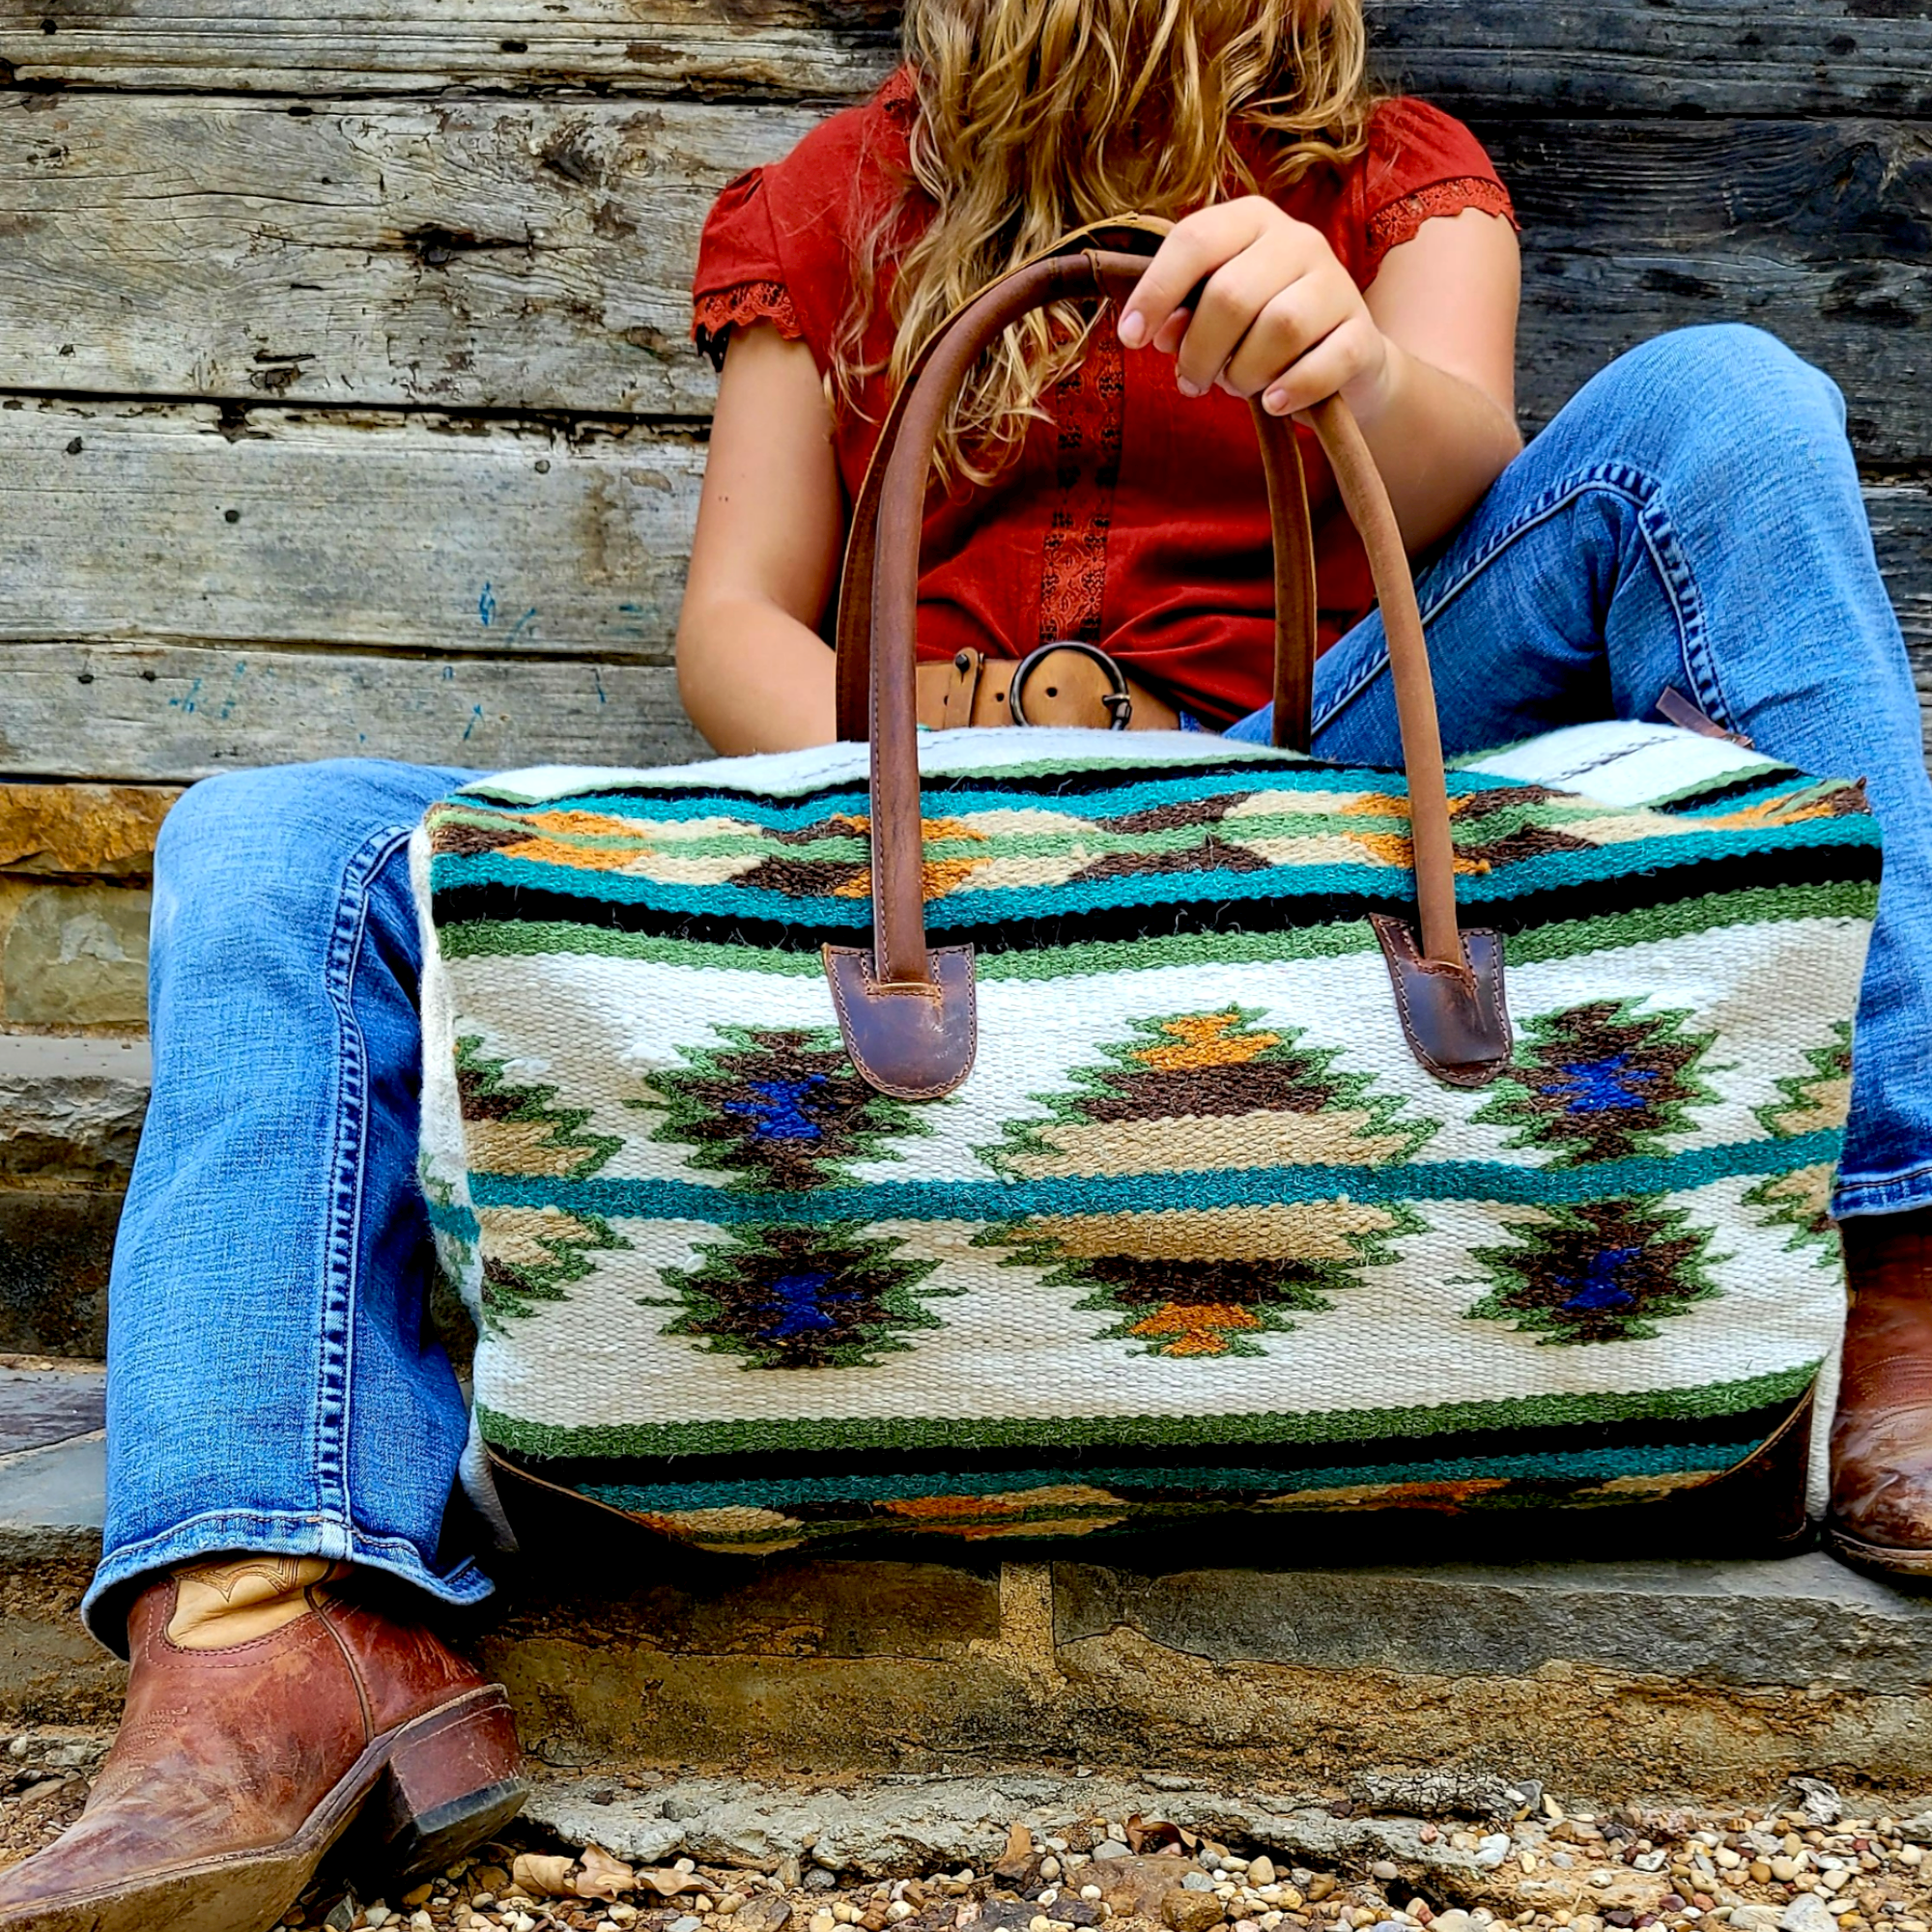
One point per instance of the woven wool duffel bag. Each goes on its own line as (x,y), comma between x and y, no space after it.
(1040,1131)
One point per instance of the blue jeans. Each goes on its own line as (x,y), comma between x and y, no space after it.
(1692,519)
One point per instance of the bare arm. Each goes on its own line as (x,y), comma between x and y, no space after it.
(1427,359)
(752,669)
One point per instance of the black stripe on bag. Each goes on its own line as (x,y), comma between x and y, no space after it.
(1283,911)
(1182,1464)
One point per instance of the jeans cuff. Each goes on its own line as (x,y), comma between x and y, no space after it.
(1883,1194)
(124,1571)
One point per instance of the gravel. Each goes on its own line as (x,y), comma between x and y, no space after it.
(1244,1862)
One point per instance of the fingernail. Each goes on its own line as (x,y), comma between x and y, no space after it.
(1186,387)
(1275,402)
(1133,329)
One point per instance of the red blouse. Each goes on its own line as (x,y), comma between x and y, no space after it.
(1136,519)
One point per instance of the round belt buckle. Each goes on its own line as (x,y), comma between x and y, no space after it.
(1119,703)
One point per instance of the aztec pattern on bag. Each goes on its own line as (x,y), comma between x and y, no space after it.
(1198,1231)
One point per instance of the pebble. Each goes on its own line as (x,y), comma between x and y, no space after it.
(1111,1848)
(1197,1882)
(1260,1873)
(1806,1913)
(1386,1870)
(1187,1909)
(1492,1851)
(819,1878)
(688,1923)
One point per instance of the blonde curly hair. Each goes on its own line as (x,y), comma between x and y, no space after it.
(1037,116)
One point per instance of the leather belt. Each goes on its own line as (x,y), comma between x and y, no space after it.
(1058,684)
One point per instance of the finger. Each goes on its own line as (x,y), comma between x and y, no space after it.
(1172,331)
(1197,246)
(1291,325)
(1327,368)
(1228,307)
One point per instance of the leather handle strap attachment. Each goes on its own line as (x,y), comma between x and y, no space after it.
(907,1010)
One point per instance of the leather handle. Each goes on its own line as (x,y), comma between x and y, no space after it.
(907,1014)
(1294,586)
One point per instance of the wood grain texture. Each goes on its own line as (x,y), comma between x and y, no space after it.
(176,712)
(1818,232)
(1624,56)
(399,533)
(171,713)
(1637,57)
(823,49)
(467,254)
(533,255)
(386,533)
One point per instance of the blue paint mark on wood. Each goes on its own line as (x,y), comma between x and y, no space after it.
(475,718)
(486,607)
(234,678)
(516,629)
(189,699)
(597,678)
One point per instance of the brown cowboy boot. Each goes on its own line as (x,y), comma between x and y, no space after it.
(267,1712)
(1881,1515)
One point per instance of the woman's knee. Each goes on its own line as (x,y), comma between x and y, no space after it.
(1730,380)
(243,842)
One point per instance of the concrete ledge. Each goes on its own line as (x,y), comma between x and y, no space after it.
(70,1113)
(1712,1681)
(1802,1621)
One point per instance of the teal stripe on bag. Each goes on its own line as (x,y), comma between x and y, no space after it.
(994,1201)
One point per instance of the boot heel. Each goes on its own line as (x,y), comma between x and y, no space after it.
(453,1779)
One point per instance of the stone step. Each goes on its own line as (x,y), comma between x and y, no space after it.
(1227,1664)
(70,1111)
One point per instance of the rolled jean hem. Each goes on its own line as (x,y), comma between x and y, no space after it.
(268,1533)
(1884,1194)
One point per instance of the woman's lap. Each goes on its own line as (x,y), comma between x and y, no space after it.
(1692,519)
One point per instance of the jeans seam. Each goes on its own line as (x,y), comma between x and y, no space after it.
(1644,493)
(335,1359)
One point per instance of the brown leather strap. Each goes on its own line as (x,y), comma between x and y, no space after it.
(1065,688)
(907,1015)
(1294,589)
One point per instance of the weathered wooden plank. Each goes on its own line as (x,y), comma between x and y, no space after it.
(1901,521)
(467,253)
(272,527)
(1821,233)
(1637,57)
(535,255)
(174,711)
(823,49)
(1625,56)
(353,533)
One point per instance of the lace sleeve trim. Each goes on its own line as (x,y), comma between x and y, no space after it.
(716,315)
(1391,226)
